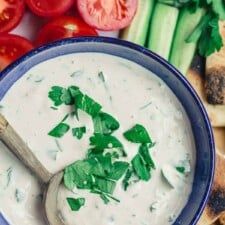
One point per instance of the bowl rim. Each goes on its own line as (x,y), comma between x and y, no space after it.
(160,60)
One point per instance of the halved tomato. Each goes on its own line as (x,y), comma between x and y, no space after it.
(49,8)
(107,14)
(11,12)
(64,27)
(11,48)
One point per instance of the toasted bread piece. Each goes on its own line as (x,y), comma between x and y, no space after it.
(216,204)
(216,112)
(215,74)
(222,219)
(219,134)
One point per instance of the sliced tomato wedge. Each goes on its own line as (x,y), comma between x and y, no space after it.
(11,12)
(64,27)
(11,48)
(107,14)
(49,8)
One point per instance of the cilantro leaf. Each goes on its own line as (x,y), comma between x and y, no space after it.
(60,95)
(78,132)
(127,178)
(55,95)
(104,185)
(60,130)
(101,141)
(75,204)
(87,104)
(69,178)
(74,91)
(194,37)
(180,169)
(94,174)
(105,123)
(78,175)
(140,168)
(118,170)
(144,152)
(211,39)
(207,34)
(138,134)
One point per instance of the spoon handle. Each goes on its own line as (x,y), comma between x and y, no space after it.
(17,146)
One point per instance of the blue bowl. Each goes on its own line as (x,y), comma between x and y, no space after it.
(202,131)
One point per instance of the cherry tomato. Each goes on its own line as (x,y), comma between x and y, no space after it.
(11,48)
(11,12)
(49,8)
(64,27)
(107,14)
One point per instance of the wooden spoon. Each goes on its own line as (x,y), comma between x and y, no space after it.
(52,181)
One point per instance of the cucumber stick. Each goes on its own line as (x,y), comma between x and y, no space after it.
(138,29)
(182,53)
(164,20)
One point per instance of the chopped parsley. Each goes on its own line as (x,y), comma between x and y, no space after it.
(207,32)
(59,96)
(60,130)
(101,169)
(100,142)
(87,104)
(138,134)
(141,165)
(105,123)
(78,132)
(180,169)
(96,174)
(75,203)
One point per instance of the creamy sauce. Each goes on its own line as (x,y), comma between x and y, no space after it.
(131,94)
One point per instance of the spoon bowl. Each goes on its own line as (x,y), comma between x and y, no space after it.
(51,181)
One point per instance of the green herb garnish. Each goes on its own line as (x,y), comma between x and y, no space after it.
(75,203)
(118,170)
(100,142)
(207,32)
(59,96)
(180,169)
(138,134)
(105,123)
(87,104)
(140,168)
(127,178)
(142,164)
(60,130)
(97,174)
(78,132)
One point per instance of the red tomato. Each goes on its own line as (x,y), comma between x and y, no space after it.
(49,8)
(107,14)
(11,12)
(64,27)
(11,48)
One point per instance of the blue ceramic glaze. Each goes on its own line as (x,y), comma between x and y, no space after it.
(205,149)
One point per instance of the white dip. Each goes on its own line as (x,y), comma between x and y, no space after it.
(131,94)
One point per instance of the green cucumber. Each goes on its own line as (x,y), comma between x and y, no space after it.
(138,29)
(164,20)
(182,52)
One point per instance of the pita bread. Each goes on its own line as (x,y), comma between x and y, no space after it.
(216,112)
(215,74)
(216,204)
(222,219)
